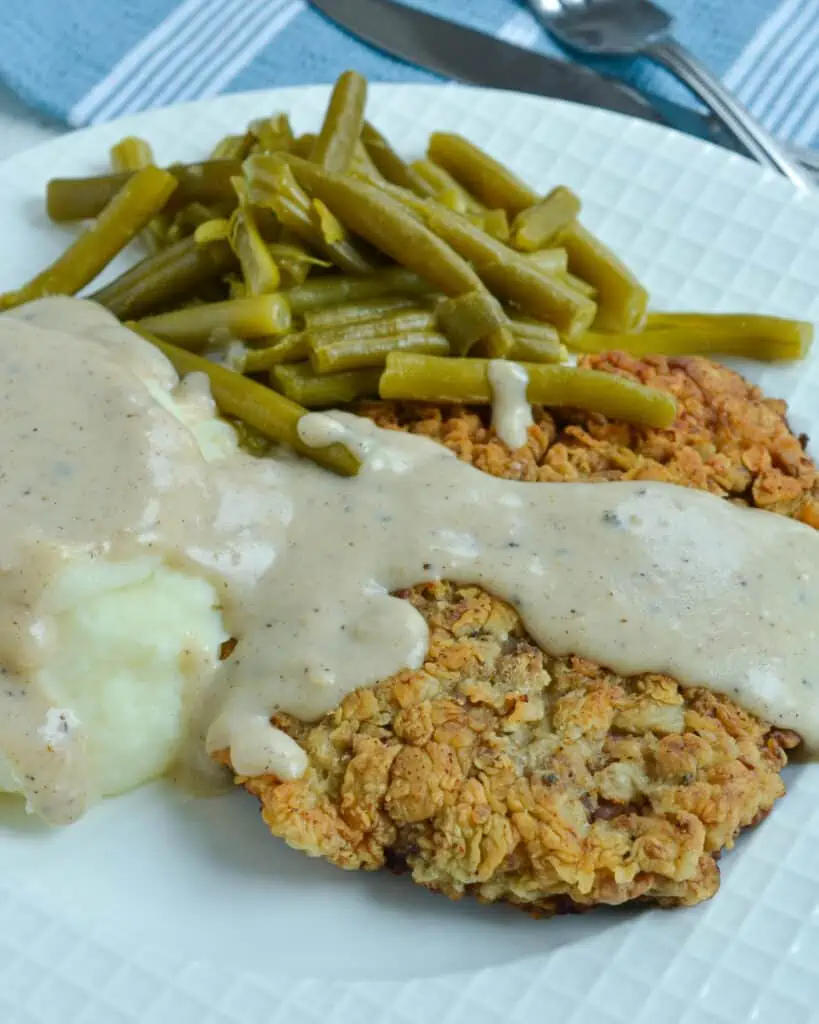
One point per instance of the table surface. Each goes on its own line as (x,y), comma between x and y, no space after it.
(21,127)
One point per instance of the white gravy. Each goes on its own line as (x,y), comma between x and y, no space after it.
(511,411)
(638,576)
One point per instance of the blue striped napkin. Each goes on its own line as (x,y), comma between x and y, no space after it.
(89,61)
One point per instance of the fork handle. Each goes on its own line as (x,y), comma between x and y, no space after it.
(759,142)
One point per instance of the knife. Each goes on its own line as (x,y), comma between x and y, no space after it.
(459,52)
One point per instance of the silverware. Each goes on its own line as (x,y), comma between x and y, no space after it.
(626,28)
(466,55)
(459,52)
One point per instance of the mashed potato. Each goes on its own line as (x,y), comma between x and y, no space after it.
(131,638)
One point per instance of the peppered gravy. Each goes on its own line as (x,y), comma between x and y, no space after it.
(638,576)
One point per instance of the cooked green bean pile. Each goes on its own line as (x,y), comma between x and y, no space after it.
(309,271)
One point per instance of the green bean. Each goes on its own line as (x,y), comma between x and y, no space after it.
(767,338)
(376,216)
(363,166)
(83,198)
(412,203)
(551,261)
(303,145)
(252,317)
(268,176)
(434,379)
(496,224)
(233,147)
(333,149)
(131,154)
(446,189)
(271,414)
(468,318)
(532,350)
(299,383)
(328,224)
(484,177)
(237,289)
(249,439)
(165,278)
(389,163)
(412,320)
(792,335)
(293,272)
(259,269)
(511,276)
(269,225)
(215,230)
(274,134)
(545,297)
(290,349)
(535,343)
(296,220)
(208,182)
(497,345)
(579,285)
(431,378)
(333,290)
(271,183)
(195,215)
(534,227)
(621,299)
(453,196)
(294,261)
(122,219)
(527,327)
(358,353)
(357,312)
(191,217)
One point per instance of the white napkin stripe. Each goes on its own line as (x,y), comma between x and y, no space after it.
(809,128)
(120,74)
(795,101)
(214,17)
(225,31)
(775,69)
(750,64)
(246,56)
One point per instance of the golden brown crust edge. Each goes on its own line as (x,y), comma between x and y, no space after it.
(552,783)
(728,438)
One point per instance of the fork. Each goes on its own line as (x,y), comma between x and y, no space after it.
(630,28)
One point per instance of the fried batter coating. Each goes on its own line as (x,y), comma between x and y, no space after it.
(728,439)
(554,784)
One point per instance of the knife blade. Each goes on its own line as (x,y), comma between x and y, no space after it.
(459,52)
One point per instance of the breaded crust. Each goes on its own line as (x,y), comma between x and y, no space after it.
(553,783)
(728,438)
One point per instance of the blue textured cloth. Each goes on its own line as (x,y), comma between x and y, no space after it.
(86,61)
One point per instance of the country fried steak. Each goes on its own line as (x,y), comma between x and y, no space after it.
(554,784)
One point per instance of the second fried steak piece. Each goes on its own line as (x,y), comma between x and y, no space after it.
(500,771)
(553,783)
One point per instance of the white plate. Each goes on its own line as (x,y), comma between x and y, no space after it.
(161,909)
